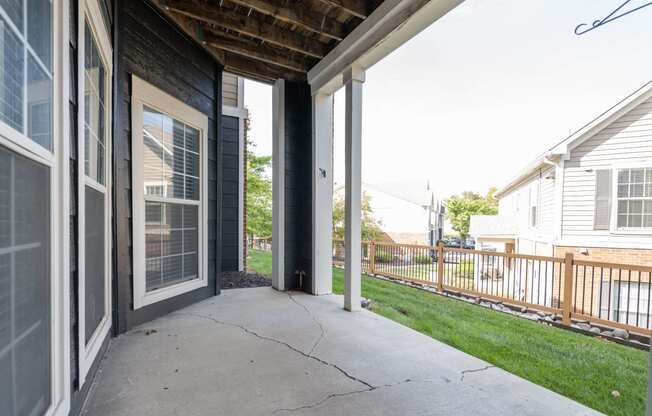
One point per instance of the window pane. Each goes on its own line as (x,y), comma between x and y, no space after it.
(192,164)
(190,266)
(647,221)
(171,242)
(635,207)
(12,56)
(24,286)
(175,161)
(94,100)
(95,273)
(636,190)
(637,176)
(623,207)
(153,272)
(622,220)
(173,215)
(178,134)
(172,269)
(192,139)
(176,235)
(623,191)
(14,8)
(623,176)
(39,105)
(635,221)
(39,29)
(190,239)
(192,188)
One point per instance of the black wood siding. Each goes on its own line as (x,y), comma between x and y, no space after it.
(230,192)
(298,184)
(148,46)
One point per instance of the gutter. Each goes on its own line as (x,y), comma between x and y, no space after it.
(547,159)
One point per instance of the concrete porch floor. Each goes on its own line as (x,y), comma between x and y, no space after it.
(262,352)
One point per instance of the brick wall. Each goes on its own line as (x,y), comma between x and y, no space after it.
(639,257)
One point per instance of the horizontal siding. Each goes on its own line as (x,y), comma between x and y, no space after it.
(229,90)
(516,204)
(627,140)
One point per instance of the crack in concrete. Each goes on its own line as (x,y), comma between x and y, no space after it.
(314,319)
(349,393)
(287,345)
(476,370)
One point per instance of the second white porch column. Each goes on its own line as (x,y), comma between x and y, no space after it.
(353,80)
(322,193)
(278,186)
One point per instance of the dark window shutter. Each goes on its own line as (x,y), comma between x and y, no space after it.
(602,210)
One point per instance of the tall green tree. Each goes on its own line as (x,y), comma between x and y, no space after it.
(459,209)
(371,227)
(259,193)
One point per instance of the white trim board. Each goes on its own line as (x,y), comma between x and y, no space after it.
(144,93)
(392,24)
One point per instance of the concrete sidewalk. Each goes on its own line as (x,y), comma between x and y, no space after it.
(262,352)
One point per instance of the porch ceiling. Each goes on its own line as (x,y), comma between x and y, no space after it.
(268,39)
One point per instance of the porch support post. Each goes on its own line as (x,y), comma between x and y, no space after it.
(353,80)
(322,193)
(278,186)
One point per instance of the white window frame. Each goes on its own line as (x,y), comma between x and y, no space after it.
(56,160)
(90,13)
(145,94)
(614,229)
(533,202)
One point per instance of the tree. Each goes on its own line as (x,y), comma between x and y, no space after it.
(371,227)
(459,209)
(259,193)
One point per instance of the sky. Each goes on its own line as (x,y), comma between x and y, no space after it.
(470,101)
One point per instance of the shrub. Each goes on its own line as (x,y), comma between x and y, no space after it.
(422,259)
(383,256)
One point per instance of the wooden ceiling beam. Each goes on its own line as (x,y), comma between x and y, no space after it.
(357,8)
(249,26)
(299,16)
(191,28)
(259,71)
(252,50)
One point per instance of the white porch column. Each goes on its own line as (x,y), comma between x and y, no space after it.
(322,193)
(278,186)
(353,79)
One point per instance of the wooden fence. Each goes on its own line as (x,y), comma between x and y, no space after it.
(609,294)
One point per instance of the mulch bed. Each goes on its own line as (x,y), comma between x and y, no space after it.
(239,280)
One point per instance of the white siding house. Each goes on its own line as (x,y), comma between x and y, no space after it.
(591,193)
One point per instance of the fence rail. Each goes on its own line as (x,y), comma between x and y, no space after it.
(609,294)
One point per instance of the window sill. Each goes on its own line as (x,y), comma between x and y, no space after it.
(165,293)
(632,231)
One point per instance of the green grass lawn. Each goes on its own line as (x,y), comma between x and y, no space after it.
(583,368)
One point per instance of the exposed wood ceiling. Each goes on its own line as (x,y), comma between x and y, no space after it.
(268,39)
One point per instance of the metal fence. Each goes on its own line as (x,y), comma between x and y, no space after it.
(614,295)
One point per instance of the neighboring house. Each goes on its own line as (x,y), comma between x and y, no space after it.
(590,195)
(405,219)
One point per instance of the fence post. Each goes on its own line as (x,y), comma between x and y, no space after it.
(568,289)
(440,267)
(372,257)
